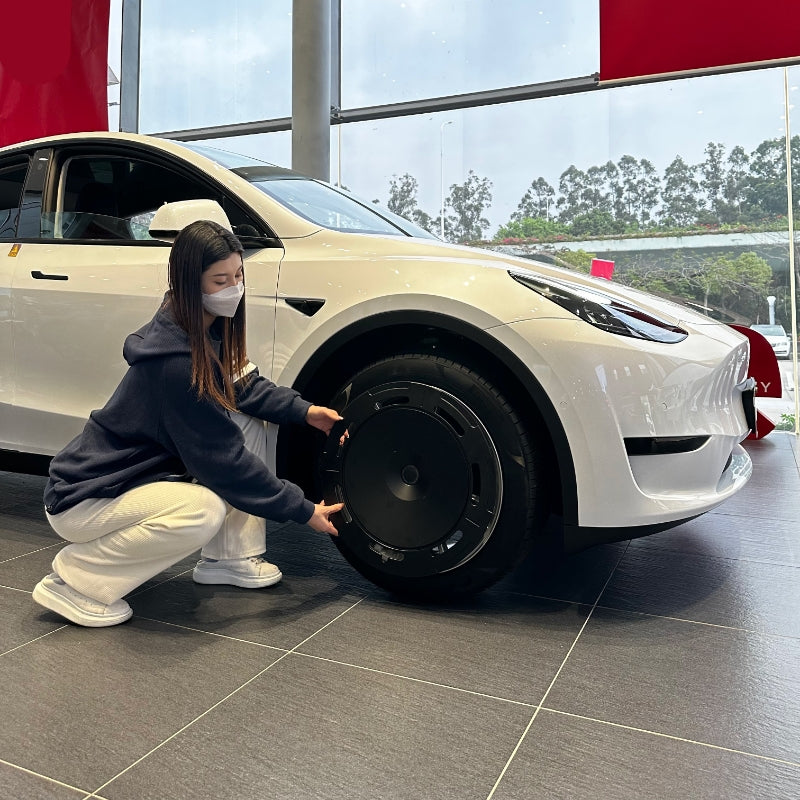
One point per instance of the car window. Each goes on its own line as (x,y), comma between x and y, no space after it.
(115,198)
(12,179)
(769,330)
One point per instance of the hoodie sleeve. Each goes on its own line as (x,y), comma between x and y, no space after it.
(212,448)
(259,397)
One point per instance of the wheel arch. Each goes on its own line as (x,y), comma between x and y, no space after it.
(390,333)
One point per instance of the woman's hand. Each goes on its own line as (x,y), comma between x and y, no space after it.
(320,519)
(322,418)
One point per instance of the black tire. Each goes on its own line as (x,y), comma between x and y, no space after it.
(440,480)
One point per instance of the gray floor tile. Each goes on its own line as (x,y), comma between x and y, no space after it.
(576,578)
(506,646)
(17,784)
(311,730)
(279,616)
(21,489)
(22,621)
(713,685)
(26,570)
(776,504)
(565,758)
(722,535)
(88,702)
(746,594)
(22,532)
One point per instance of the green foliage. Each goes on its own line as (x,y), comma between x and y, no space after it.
(532,228)
(576,259)
(596,223)
(787,423)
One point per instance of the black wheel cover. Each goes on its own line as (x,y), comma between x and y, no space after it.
(420,478)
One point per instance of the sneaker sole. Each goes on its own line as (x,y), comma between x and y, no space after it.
(222,578)
(54,602)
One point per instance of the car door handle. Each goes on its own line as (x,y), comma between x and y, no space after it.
(44,276)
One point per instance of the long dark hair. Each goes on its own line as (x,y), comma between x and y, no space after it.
(196,248)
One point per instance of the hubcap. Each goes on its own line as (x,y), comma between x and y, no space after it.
(419,476)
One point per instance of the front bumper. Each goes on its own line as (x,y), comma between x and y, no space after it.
(606,389)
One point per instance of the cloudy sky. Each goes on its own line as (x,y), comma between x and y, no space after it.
(206,63)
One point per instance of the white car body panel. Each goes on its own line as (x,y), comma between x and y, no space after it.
(62,354)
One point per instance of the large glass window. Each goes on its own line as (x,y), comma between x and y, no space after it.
(396,50)
(208,64)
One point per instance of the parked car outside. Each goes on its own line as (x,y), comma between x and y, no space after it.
(777,337)
(482,393)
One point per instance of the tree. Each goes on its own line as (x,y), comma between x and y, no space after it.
(679,199)
(614,190)
(403,201)
(766,192)
(572,186)
(403,195)
(649,189)
(596,195)
(628,168)
(536,202)
(468,202)
(712,174)
(766,189)
(736,181)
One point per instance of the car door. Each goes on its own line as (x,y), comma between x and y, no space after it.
(12,179)
(91,277)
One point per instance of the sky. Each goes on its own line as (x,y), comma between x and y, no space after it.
(206,63)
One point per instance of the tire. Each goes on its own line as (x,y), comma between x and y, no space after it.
(440,480)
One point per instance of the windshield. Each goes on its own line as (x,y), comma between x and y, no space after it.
(315,201)
(323,205)
(769,330)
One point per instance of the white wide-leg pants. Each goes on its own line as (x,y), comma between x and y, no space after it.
(120,543)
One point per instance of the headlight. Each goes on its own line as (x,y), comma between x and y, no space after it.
(604,312)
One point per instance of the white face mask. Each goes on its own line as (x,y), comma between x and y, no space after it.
(225,302)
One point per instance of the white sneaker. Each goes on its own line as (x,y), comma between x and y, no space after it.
(249,573)
(52,593)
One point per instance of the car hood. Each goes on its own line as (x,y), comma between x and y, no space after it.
(457,262)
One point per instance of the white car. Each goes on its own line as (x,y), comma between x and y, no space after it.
(776,336)
(482,393)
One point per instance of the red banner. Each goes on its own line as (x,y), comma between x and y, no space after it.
(654,37)
(53,68)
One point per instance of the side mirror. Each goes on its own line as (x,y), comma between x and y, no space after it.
(171,218)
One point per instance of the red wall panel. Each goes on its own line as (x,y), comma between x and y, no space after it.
(652,37)
(53,68)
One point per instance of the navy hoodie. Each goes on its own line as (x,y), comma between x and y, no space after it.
(155,426)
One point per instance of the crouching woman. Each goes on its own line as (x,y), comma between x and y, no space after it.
(175,460)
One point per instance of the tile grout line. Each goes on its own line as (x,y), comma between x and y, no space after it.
(412,679)
(31,641)
(43,777)
(555,677)
(772,759)
(31,552)
(219,702)
(753,631)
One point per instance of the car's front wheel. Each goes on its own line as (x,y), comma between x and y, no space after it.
(439,478)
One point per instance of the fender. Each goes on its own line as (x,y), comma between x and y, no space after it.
(378,330)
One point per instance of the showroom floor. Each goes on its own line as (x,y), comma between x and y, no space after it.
(667,667)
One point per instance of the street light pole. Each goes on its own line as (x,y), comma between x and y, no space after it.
(441,174)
